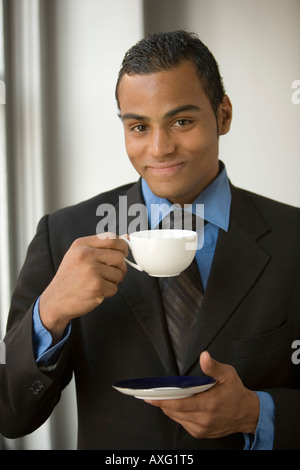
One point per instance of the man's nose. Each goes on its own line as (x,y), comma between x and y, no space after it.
(162,143)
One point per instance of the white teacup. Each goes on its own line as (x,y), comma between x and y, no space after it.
(162,253)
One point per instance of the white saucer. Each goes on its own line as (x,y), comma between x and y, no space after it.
(164,388)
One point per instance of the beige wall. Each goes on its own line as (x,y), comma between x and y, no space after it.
(86,42)
(256,44)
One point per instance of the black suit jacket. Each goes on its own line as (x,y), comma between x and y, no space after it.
(249,318)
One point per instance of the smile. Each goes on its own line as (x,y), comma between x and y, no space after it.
(166,169)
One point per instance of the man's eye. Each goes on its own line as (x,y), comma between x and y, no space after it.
(139,128)
(182,122)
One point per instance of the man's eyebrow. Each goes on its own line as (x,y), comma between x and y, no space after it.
(136,117)
(181,109)
(169,114)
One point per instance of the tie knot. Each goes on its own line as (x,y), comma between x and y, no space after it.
(181,219)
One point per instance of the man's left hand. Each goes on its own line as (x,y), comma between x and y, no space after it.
(228,407)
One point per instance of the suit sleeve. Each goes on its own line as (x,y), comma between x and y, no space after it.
(28,394)
(287,412)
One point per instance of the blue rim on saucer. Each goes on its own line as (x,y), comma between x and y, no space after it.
(161,382)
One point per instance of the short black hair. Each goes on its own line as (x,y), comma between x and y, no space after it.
(164,51)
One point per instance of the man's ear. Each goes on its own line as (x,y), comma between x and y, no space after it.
(224,115)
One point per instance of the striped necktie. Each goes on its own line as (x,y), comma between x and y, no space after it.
(182,297)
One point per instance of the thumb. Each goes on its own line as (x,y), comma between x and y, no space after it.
(220,372)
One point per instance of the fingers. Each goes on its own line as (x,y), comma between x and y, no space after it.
(220,372)
(191,413)
(104,240)
(106,250)
(90,271)
(111,266)
(226,408)
(182,405)
(184,409)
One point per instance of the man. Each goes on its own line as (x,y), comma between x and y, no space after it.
(78,309)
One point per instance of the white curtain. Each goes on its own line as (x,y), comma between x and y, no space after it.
(62,57)
(23,195)
(4,258)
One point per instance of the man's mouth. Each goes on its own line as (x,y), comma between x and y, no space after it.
(165,169)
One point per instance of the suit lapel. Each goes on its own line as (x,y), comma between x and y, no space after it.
(141,291)
(237,263)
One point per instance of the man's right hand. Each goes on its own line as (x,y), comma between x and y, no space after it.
(90,271)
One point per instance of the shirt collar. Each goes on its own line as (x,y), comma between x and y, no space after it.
(216,198)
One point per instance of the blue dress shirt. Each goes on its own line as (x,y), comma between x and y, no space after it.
(216,199)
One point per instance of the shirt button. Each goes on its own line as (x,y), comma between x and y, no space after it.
(36,387)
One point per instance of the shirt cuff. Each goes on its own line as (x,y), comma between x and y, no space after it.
(264,435)
(42,340)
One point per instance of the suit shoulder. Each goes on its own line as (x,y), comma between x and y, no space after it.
(270,208)
(81,217)
(111,196)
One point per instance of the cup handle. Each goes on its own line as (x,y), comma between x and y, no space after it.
(134,265)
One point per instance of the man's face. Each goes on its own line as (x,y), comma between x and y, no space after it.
(171,132)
